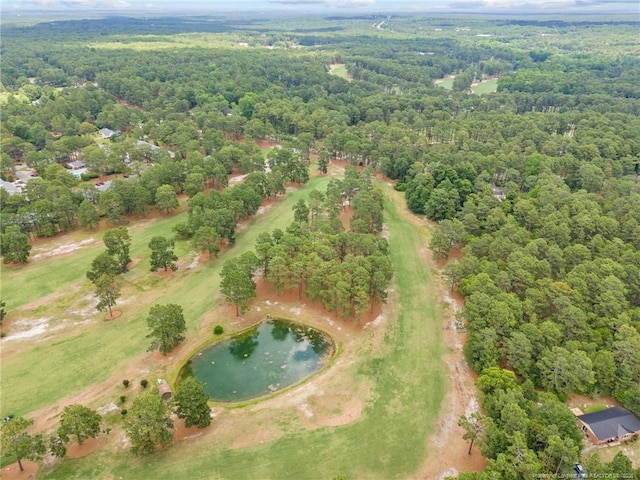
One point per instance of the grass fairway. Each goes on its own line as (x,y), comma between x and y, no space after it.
(339,70)
(446,83)
(53,370)
(389,439)
(488,86)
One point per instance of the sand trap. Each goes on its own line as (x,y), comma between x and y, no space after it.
(29,329)
(66,248)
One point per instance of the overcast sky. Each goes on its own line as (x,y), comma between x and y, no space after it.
(352,6)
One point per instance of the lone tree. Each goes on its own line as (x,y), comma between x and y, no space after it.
(192,404)
(471,426)
(162,255)
(103,264)
(118,241)
(14,245)
(78,423)
(167,327)
(148,424)
(3,312)
(107,292)
(237,285)
(20,444)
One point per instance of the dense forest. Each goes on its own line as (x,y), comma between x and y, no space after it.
(535,186)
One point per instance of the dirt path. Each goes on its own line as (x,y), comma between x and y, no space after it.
(447,451)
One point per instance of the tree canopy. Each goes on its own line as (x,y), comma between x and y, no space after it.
(191,403)
(17,442)
(148,424)
(167,327)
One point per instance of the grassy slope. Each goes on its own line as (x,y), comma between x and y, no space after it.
(389,440)
(446,83)
(51,371)
(490,86)
(340,71)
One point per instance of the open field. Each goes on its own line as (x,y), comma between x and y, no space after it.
(37,373)
(486,86)
(446,83)
(482,88)
(394,370)
(339,70)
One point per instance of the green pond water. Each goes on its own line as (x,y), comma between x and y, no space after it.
(262,360)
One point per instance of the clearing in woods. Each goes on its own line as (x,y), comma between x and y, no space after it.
(386,387)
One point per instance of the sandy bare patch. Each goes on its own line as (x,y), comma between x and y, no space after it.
(344,411)
(63,249)
(237,179)
(12,472)
(583,402)
(194,262)
(109,407)
(26,329)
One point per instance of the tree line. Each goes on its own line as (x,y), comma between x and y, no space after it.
(348,271)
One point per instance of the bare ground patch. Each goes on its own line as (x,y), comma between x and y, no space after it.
(47,251)
(12,472)
(89,446)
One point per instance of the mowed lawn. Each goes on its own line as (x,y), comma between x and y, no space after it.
(54,369)
(339,70)
(388,441)
(488,86)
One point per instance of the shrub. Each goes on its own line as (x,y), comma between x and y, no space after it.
(144,383)
(125,383)
(123,398)
(123,411)
(400,187)
(218,330)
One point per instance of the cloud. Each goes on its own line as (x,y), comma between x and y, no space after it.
(328,3)
(43,3)
(537,4)
(606,2)
(79,4)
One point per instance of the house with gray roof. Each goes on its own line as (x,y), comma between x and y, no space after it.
(614,424)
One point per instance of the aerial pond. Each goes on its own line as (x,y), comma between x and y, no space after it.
(260,361)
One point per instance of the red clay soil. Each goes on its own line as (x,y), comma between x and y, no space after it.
(165,273)
(12,472)
(265,291)
(78,451)
(181,432)
(14,265)
(265,143)
(115,314)
(345,217)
